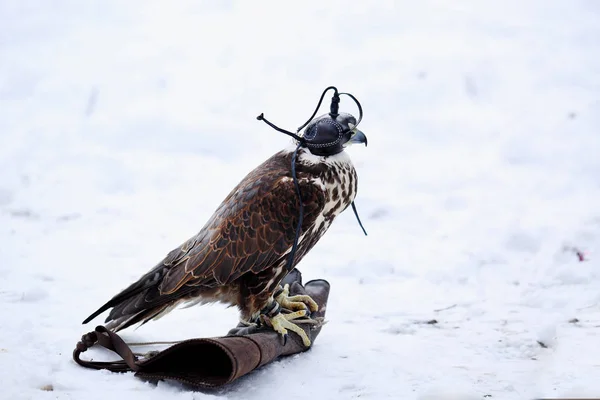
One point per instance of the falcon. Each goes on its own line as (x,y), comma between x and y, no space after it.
(262,229)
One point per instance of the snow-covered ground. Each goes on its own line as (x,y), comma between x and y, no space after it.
(123,124)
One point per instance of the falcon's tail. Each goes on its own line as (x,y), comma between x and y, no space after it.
(140,302)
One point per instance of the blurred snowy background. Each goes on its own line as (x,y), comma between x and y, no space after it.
(123,124)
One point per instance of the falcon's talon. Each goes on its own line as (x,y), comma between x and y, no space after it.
(281,324)
(297,302)
(295,315)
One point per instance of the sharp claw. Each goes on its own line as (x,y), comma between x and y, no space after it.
(285,339)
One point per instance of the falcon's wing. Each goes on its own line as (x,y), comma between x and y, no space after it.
(253,227)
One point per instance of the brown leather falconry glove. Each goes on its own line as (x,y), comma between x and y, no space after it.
(213,362)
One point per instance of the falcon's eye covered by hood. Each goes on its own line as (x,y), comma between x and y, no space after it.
(326,135)
(330,133)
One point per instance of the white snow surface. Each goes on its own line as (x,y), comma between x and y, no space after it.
(123,124)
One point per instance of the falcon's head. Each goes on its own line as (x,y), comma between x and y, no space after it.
(326,136)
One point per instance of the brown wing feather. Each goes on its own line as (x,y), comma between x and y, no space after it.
(255,225)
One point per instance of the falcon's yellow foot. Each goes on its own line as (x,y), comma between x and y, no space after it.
(281,324)
(295,303)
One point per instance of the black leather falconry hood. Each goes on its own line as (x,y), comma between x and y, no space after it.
(329,133)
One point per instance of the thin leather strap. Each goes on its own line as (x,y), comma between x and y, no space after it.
(110,341)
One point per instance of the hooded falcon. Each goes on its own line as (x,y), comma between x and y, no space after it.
(241,254)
